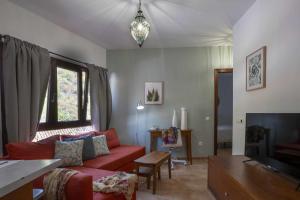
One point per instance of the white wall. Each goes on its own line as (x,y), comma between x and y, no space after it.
(276,24)
(23,24)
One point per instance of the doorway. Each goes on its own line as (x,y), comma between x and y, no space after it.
(223,106)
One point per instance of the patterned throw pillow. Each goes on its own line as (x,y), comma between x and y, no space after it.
(69,152)
(100,145)
(88,151)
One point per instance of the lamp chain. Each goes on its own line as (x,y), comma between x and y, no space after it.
(140,4)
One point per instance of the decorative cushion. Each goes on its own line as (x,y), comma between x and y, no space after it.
(88,151)
(95,174)
(69,152)
(111,137)
(100,145)
(30,151)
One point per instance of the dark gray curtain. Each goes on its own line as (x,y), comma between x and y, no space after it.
(25,75)
(1,141)
(1,129)
(100,95)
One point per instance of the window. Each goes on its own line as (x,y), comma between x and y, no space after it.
(67,95)
(66,103)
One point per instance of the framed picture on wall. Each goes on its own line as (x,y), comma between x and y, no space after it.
(256,69)
(154,93)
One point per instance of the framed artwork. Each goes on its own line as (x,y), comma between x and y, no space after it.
(154,93)
(256,69)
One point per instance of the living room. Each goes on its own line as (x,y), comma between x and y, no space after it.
(121,99)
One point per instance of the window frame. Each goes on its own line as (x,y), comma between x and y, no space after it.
(52,106)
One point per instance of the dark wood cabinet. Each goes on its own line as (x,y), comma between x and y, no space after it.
(231,179)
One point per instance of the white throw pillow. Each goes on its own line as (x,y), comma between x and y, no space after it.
(100,145)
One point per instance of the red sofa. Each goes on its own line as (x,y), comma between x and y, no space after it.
(79,187)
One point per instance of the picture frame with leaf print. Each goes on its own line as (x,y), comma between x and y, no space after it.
(154,93)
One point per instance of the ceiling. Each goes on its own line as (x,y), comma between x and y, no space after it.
(174,23)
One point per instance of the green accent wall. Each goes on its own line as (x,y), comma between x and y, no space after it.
(188,82)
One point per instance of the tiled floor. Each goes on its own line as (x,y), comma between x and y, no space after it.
(187,183)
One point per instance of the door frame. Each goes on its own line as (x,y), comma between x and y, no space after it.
(217,72)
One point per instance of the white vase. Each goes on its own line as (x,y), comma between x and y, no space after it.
(174,119)
(183,119)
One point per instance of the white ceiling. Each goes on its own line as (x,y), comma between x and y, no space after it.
(174,23)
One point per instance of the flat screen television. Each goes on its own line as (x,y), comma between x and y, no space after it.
(274,140)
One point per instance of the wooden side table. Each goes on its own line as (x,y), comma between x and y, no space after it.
(187,134)
(153,161)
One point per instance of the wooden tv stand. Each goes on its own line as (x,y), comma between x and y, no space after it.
(230,178)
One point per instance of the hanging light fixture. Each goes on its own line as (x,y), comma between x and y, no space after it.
(139,28)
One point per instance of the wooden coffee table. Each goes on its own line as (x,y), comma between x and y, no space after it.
(153,160)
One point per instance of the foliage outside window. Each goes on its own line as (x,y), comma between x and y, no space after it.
(66,103)
(67,95)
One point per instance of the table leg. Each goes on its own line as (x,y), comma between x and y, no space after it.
(154,179)
(148,182)
(189,149)
(152,140)
(137,173)
(169,166)
(159,174)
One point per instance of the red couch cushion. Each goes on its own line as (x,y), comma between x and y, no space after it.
(111,137)
(118,157)
(30,150)
(78,187)
(81,180)
(96,174)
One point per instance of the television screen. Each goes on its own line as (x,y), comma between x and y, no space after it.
(272,137)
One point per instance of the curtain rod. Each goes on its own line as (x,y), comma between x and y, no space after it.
(78,61)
